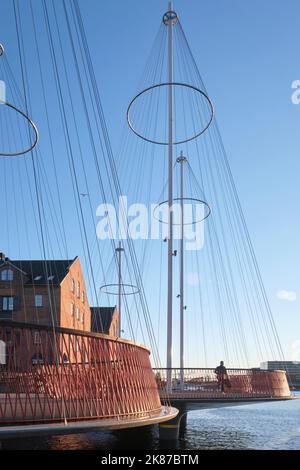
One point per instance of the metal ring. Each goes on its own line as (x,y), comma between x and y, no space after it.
(15,154)
(184,199)
(170,16)
(168,84)
(1,49)
(105,288)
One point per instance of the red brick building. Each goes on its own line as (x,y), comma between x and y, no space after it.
(44,292)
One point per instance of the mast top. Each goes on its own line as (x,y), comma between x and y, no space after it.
(170,16)
(182,158)
(119,248)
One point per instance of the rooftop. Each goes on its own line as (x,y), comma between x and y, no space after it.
(101,318)
(40,272)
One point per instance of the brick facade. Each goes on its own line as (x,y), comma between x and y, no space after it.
(114,326)
(62,299)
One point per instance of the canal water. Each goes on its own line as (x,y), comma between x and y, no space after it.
(260,426)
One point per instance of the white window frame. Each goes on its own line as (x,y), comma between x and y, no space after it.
(7,275)
(36,303)
(37,337)
(77,313)
(72,309)
(2,353)
(7,304)
(37,361)
(78,289)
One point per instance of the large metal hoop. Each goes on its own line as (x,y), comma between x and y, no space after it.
(36,138)
(106,289)
(184,199)
(168,84)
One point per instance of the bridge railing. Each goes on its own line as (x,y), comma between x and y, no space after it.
(51,375)
(235,383)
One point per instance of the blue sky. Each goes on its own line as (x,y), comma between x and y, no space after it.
(247,55)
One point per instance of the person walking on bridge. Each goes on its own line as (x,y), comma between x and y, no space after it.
(222,376)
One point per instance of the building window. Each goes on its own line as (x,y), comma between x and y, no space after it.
(37,359)
(72,285)
(78,289)
(82,317)
(83,296)
(65,359)
(72,309)
(77,314)
(37,337)
(2,353)
(7,275)
(7,303)
(38,300)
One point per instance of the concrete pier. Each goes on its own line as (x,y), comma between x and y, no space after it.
(169,431)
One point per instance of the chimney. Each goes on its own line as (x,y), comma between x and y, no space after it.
(2,256)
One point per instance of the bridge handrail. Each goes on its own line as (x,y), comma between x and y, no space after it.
(207,383)
(59,374)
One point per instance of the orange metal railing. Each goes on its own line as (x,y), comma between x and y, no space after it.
(48,375)
(200,383)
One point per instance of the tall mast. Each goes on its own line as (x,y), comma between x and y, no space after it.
(170,25)
(170,19)
(119,251)
(182,160)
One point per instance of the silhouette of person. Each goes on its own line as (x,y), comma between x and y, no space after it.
(221,374)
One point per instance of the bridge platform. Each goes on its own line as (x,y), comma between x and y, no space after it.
(62,381)
(92,425)
(197,388)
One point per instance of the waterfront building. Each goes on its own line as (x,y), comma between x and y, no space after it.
(44,292)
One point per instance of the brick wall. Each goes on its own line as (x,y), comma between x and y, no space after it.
(114,327)
(69,296)
(24,300)
(61,299)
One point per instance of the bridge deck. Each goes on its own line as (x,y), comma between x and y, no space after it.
(234,385)
(92,425)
